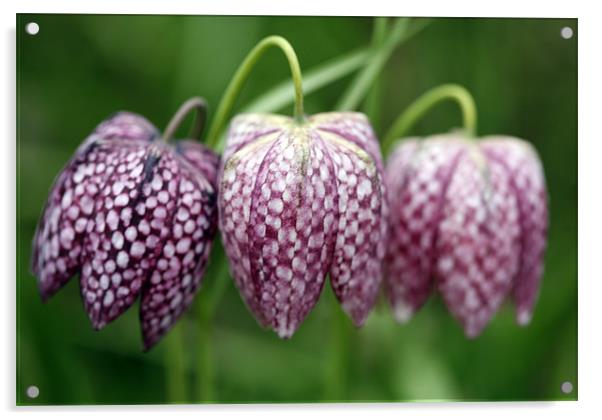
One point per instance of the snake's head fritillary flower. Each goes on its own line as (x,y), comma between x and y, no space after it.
(299,201)
(469,219)
(133,216)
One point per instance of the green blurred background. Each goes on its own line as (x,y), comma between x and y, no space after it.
(80,68)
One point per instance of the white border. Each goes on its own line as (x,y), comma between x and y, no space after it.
(465,8)
(590,209)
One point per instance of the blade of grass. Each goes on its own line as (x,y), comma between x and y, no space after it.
(372,104)
(400,32)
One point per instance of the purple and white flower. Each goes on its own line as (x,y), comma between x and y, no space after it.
(469,219)
(298,202)
(133,216)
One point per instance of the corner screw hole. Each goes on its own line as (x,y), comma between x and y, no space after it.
(32,28)
(566,32)
(33,391)
(566,387)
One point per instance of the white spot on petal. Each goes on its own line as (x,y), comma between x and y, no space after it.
(122,259)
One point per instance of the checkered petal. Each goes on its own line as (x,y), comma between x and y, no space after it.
(478,241)
(184,253)
(58,241)
(524,168)
(131,217)
(418,174)
(361,224)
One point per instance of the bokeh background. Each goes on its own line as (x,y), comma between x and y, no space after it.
(81,68)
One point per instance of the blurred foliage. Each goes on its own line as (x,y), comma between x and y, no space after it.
(81,68)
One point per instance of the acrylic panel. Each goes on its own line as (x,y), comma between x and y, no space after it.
(247,209)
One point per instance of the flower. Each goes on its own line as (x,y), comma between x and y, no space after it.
(470,219)
(298,201)
(132,216)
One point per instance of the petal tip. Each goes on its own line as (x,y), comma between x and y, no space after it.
(148,344)
(523,317)
(472,333)
(402,312)
(285,331)
(357,315)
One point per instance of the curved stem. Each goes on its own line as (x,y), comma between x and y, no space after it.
(195,103)
(241,76)
(424,103)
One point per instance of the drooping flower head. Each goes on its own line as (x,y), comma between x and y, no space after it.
(298,202)
(133,216)
(469,219)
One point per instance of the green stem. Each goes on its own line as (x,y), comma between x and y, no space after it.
(206,309)
(174,362)
(192,104)
(420,106)
(241,76)
(205,371)
(335,378)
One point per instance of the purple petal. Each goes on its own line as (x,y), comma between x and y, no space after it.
(132,214)
(291,228)
(58,240)
(418,175)
(353,127)
(202,159)
(478,241)
(176,277)
(234,204)
(356,266)
(126,126)
(522,164)
(247,128)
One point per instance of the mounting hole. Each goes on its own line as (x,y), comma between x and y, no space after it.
(33,391)
(566,32)
(566,387)
(32,28)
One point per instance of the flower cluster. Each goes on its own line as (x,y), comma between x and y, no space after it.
(297,200)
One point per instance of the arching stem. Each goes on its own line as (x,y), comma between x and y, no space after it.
(192,104)
(424,103)
(241,75)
